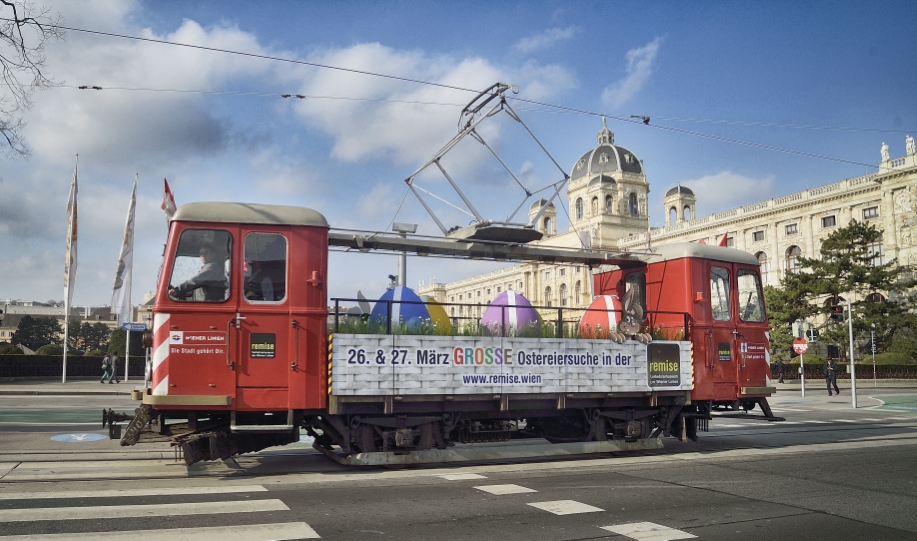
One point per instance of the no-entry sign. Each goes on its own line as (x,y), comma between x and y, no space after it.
(800,346)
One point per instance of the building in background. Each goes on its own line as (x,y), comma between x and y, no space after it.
(607,197)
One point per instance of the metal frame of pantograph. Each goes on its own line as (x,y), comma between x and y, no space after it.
(472,115)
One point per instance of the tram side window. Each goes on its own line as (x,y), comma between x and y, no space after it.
(719,293)
(750,306)
(200,270)
(634,299)
(266,267)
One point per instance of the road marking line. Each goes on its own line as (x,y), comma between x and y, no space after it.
(795,410)
(146,510)
(872,420)
(565,507)
(844,421)
(174,491)
(461,476)
(728,426)
(500,490)
(648,531)
(817,422)
(249,532)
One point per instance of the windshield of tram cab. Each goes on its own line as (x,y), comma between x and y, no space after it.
(265,267)
(719,293)
(750,306)
(634,300)
(200,271)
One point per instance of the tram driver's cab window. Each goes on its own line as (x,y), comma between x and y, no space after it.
(719,293)
(751,306)
(265,267)
(200,270)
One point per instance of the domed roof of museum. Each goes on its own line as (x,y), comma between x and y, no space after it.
(540,203)
(603,179)
(679,189)
(606,157)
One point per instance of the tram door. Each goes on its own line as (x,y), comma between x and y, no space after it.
(751,322)
(722,334)
(263,323)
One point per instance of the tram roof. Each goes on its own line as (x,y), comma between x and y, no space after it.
(249,213)
(679,250)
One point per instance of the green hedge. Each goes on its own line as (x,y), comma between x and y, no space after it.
(19,366)
(863,370)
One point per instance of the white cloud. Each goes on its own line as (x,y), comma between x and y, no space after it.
(407,133)
(726,190)
(544,39)
(639,68)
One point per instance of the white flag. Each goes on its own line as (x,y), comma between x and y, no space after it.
(121,292)
(70,256)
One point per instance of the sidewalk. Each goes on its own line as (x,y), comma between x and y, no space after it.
(72,387)
(863,385)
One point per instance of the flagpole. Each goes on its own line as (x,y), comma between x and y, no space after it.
(70,263)
(130,286)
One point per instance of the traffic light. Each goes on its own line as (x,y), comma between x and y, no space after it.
(836,312)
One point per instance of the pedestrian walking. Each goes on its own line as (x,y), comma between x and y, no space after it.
(114,368)
(106,368)
(831,375)
(780,370)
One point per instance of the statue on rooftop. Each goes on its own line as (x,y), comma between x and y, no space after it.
(909,144)
(884,152)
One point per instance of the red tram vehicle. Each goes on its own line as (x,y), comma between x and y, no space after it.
(244,357)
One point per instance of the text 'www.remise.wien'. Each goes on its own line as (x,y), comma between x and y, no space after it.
(501,379)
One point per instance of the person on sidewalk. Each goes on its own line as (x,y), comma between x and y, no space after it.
(831,375)
(780,370)
(114,368)
(106,368)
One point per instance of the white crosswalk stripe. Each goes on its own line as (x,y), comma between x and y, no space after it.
(500,490)
(461,476)
(565,507)
(250,532)
(648,531)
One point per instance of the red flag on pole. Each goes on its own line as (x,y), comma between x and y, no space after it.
(723,240)
(702,241)
(168,201)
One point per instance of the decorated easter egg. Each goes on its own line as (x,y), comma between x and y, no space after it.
(406,308)
(512,312)
(601,317)
(442,325)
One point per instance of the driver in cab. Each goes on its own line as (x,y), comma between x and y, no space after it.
(207,285)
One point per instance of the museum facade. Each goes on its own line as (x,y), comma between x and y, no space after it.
(607,194)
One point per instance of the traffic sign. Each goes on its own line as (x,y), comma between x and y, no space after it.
(133,327)
(800,345)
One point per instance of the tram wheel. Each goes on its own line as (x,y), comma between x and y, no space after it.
(366,439)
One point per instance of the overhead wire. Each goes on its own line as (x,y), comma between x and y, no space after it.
(644,120)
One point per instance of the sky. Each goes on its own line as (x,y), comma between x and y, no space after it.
(828,82)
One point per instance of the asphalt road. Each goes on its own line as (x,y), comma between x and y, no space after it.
(829,472)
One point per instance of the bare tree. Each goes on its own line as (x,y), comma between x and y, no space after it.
(24,32)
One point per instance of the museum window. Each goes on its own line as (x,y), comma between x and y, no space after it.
(578,208)
(547,226)
(875,297)
(792,259)
(634,209)
(876,253)
(562,271)
(730,242)
(608,203)
(673,215)
(687,211)
(791,229)
(563,294)
(870,213)
(548,296)
(595,206)
(828,221)
(757,236)
(576,294)
(764,266)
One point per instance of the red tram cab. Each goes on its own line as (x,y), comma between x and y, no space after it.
(240,314)
(715,293)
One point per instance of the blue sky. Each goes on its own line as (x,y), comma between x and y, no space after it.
(725,69)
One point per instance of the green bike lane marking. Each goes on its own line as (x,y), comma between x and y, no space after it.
(54,416)
(903,404)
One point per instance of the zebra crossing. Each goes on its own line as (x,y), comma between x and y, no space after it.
(753,423)
(99,507)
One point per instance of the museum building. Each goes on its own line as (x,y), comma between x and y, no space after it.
(607,194)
